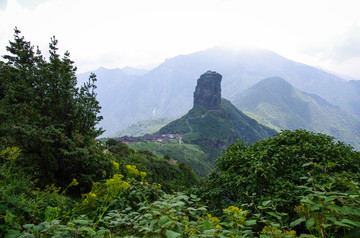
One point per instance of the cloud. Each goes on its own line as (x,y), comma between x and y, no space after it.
(3,4)
(342,47)
(114,33)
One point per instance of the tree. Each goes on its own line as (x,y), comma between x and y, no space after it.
(44,113)
(274,168)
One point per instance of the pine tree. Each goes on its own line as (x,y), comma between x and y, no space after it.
(44,113)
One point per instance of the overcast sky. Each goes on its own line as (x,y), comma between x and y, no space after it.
(143,33)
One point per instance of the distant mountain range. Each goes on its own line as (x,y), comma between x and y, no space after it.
(166,91)
(285,107)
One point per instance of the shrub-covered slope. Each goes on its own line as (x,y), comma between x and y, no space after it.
(214,130)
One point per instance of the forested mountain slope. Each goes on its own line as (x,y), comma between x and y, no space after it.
(166,91)
(286,107)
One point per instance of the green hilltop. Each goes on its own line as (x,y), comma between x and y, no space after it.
(285,107)
(214,124)
(214,130)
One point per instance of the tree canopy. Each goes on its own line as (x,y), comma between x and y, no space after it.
(43,112)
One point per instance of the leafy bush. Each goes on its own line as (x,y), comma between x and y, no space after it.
(326,210)
(172,177)
(273,169)
(21,201)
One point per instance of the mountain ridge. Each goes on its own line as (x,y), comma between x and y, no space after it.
(286,107)
(166,90)
(214,124)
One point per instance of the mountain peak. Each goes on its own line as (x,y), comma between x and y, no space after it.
(208,90)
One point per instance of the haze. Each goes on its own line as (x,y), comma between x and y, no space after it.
(143,33)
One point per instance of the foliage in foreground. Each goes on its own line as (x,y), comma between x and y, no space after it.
(172,176)
(294,181)
(273,169)
(126,205)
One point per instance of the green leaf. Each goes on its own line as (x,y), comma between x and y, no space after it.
(28,226)
(307,164)
(163,220)
(12,233)
(172,234)
(297,221)
(250,222)
(327,199)
(307,236)
(315,207)
(347,221)
(331,164)
(168,224)
(309,223)
(265,203)
(12,201)
(275,224)
(81,222)
(339,223)
(326,225)
(273,214)
(306,200)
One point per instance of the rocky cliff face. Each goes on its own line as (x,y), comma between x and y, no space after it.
(214,123)
(208,91)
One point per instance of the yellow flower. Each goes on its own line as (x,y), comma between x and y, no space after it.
(236,215)
(290,233)
(142,174)
(10,154)
(115,185)
(74,182)
(233,210)
(92,195)
(275,232)
(132,170)
(115,165)
(214,220)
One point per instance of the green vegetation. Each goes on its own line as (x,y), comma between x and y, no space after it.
(261,120)
(144,127)
(326,199)
(275,102)
(280,169)
(188,153)
(295,184)
(214,130)
(48,118)
(172,176)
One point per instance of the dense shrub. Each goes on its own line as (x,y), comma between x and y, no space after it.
(172,176)
(273,169)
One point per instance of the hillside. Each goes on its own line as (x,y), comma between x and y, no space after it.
(141,128)
(286,107)
(166,91)
(188,153)
(213,130)
(214,124)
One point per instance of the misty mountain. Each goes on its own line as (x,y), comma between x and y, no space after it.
(214,123)
(275,100)
(134,71)
(214,130)
(166,91)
